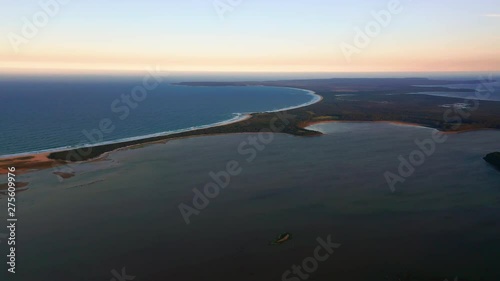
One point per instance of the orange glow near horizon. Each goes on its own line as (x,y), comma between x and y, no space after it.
(409,64)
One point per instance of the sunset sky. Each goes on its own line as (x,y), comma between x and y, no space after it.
(256,35)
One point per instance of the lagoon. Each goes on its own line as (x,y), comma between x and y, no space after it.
(123,211)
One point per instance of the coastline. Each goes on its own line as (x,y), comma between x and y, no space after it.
(40,161)
(37,160)
(324,107)
(238,117)
(316,98)
(400,123)
(26,163)
(32,161)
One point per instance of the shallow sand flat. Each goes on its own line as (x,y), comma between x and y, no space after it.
(334,126)
(26,163)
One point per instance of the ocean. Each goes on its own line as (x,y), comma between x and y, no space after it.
(40,114)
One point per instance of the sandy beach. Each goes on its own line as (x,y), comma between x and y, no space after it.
(27,163)
(31,162)
(310,123)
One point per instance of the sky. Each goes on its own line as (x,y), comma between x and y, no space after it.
(61,36)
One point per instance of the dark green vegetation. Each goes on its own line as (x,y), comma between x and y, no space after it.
(493,159)
(345,100)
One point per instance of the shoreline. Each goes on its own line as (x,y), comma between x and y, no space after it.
(400,123)
(42,161)
(397,123)
(324,107)
(238,117)
(38,160)
(30,162)
(27,163)
(316,98)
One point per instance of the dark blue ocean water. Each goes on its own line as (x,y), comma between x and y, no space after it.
(40,114)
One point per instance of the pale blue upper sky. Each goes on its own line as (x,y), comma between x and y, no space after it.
(255,35)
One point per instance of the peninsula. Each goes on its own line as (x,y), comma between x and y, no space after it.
(344,99)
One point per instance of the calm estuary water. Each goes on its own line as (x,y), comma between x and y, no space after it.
(123,212)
